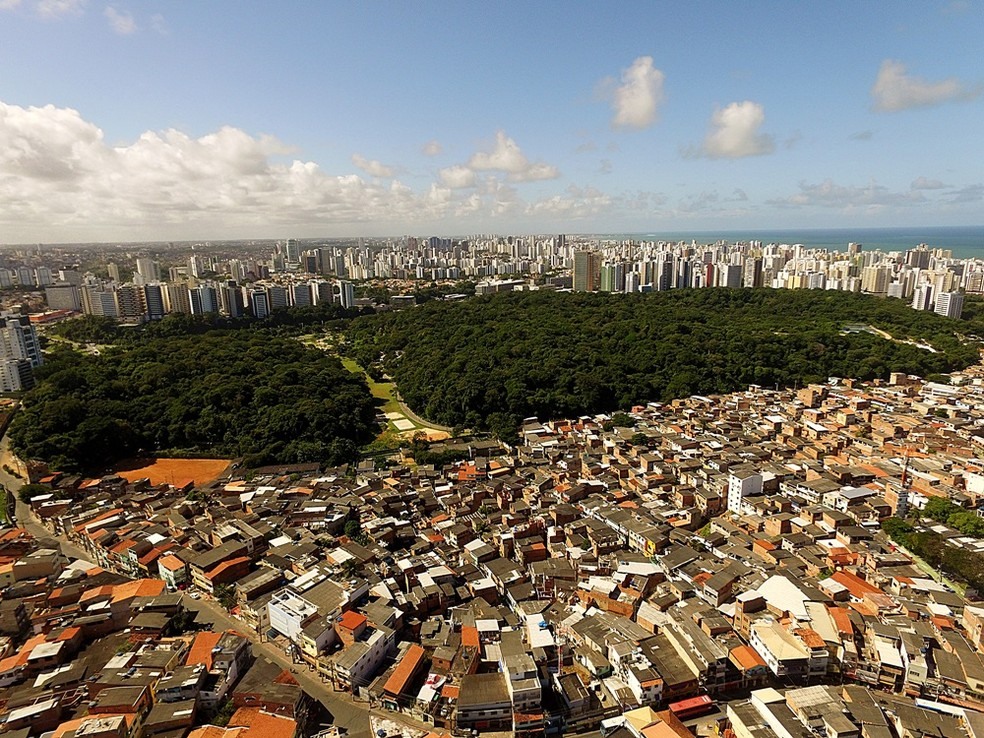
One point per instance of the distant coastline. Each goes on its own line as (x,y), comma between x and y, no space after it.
(966,242)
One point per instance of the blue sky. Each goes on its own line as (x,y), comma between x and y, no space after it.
(161,120)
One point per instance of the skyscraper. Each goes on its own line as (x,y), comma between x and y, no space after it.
(587,271)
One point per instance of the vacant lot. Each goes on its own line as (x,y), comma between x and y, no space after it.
(172,471)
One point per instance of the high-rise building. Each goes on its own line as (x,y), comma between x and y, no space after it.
(43,277)
(96,301)
(278,296)
(292,251)
(300,294)
(949,304)
(587,271)
(231,299)
(154,301)
(346,294)
(63,297)
(922,297)
(19,339)
(204,299)
(149,270)
(177,298)
(130,301)
(259,303)
(25,276)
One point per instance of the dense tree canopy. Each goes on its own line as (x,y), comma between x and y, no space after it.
(490,361)
(225,393)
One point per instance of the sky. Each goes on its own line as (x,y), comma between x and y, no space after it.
(154,120)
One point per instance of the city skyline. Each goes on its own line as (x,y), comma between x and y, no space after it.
(326,120)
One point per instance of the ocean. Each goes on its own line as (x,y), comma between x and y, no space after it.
(966,242)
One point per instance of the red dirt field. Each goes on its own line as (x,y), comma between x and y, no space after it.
(172,471)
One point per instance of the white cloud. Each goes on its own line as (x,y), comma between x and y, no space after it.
(432,148)
(121,21)
(51,9)
(829,194)
(457,177)
(896,90)
(159,24)
(636,101)
(734,133)
(59,179)
(9,4)
(575,203)
(970,194)
(372,167)
(506,156)
(924,183)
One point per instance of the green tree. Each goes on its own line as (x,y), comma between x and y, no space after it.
(940,509)
(225,595)
(29,491)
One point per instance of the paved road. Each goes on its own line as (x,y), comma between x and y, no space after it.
(405,409)
(345,712)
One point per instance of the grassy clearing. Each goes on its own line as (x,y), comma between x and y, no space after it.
(380,390)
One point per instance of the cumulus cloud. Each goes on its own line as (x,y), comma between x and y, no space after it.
(896,90)
(9,4)
(372,167)
(636,99)
(59,177)
(51,9)
(506,156)
(432,148)
(457,177)
(734,133)
(120,21)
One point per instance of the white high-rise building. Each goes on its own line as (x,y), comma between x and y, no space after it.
(149,270)
(949,304)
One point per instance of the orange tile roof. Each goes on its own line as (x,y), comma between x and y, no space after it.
(262,724)
(842,619)
(285,677)
(122,546)
(138,588)
(810,637)
(746,657)
(857,586)
(469,636)
(201,649)
(352,620)
(403,673)
(68,634)
(225,565)
(172,563)
(450,691)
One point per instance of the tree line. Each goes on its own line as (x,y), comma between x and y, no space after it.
(249,394)
(490,361)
